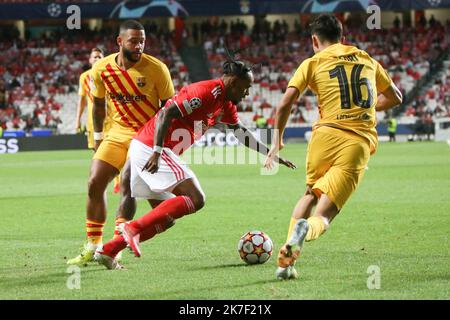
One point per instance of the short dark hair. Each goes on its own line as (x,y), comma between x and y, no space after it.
(96,49)
(236,68)
(130,24)
(327,27)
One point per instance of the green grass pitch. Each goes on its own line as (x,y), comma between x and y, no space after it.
(398,220)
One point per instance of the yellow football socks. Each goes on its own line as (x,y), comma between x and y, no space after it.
(291,228)
(94,231)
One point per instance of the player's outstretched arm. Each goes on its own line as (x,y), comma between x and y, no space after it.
(246,137)
(389,98)
(98,117)
(163,123)
(282,115)
(281,118)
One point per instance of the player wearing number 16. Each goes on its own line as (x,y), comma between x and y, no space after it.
(350,87)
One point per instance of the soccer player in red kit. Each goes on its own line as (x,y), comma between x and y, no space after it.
(154,154)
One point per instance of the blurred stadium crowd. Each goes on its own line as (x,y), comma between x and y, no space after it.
(39,76)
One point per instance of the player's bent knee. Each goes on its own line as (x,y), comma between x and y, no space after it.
(154,203)
(199,201)
(96,187)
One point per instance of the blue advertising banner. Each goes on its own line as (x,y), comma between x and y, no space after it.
(127,9)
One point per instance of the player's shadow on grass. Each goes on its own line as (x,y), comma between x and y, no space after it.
(35,280)
(29,268)
(32,267)
(42,279)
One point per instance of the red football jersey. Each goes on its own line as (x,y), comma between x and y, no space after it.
(202,105)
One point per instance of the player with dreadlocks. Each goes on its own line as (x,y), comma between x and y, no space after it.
(156,167)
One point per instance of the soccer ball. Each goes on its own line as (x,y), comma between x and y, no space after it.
(255,247)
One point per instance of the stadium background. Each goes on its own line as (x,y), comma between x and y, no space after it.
(40,64)
(42,58)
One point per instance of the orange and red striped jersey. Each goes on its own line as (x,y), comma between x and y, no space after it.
(84,91)
(133,95)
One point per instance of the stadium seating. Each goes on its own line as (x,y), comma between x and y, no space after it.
(432,105)
(41,75)
(407,57)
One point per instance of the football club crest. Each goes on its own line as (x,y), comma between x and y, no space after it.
(141,82)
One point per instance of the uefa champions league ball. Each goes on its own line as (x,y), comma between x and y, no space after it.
(255,247)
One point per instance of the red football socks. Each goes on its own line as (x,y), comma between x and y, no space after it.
(155,221)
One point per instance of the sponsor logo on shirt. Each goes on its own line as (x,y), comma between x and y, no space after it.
(363,117)
(126,97)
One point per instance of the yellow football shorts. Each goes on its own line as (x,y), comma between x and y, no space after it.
(114,147)
(335,163)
